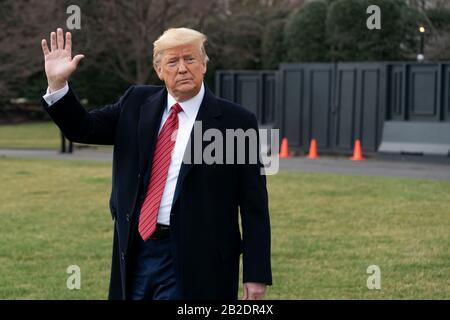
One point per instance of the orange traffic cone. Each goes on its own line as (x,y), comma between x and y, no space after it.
(357,153)
(313,150)
(284,152)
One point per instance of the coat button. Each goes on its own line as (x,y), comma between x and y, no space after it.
(139,176)
(122,256)
(127,217)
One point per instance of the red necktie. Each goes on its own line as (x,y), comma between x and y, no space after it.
(160,166)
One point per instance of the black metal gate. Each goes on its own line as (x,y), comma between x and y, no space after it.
(334,104)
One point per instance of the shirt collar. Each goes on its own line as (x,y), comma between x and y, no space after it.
(191,106)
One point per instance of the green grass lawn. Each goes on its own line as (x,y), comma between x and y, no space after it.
(36,135)
(326,230)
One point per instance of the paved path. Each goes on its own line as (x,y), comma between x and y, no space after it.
(432,168)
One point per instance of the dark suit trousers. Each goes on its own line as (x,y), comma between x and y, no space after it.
(152,275)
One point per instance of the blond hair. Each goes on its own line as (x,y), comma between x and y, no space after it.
(175,37)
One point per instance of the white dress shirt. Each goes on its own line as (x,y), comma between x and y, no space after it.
(186,119)
(51,98)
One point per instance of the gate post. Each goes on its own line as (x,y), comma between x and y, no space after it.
(63,144)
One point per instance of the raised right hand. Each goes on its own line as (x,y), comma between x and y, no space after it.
(59,64)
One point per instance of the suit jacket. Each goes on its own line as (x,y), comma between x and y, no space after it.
(205,231)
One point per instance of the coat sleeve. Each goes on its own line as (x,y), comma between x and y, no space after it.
(78,125)
(253,203)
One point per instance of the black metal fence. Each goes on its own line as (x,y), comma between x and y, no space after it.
(337,103)
(253,89)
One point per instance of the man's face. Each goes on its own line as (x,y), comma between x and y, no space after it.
(182,69)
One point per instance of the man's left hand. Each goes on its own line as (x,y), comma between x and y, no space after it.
(254,291)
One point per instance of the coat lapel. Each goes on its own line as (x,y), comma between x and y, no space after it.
(209,114)
(149,121)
